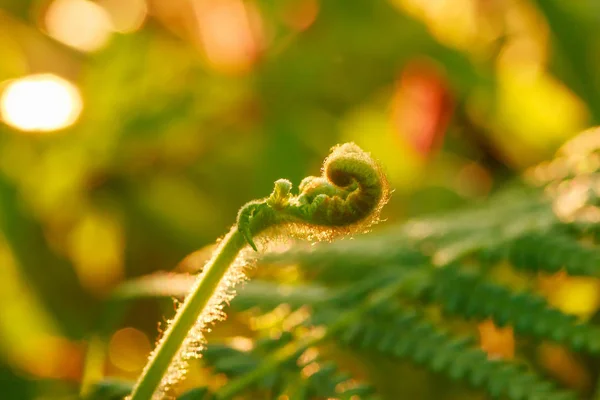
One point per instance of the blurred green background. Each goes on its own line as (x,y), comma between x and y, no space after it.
(133,130)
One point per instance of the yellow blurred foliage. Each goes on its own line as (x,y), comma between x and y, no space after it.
(96,246)
(13,63)
(29,337)
(537,110)
(126,16)
(189,206)
(464,24)
(53,182)
(372,129)
(505,274)
(571,294)
(451,21)
(197,376)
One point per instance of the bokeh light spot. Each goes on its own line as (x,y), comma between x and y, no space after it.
(96,246)
(241,343)
(80,24)
(43,102)
(230,33)
(128,349)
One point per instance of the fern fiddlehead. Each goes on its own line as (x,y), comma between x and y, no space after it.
(347,198)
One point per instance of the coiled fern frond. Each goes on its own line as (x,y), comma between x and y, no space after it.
(347,198)
(414,291)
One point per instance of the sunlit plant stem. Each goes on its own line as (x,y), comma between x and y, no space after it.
(188,315)
(346,199)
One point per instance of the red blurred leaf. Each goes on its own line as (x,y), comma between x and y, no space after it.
(422,106)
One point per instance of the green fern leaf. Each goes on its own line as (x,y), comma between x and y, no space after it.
(553,252)
(470,296)
(406,334)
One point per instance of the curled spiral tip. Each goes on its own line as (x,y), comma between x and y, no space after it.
(354,186)
(347,197)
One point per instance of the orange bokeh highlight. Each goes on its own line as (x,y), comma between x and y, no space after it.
(564,366)
(495,341)
(128,349)
(81,24)
(300,14)
(230,33)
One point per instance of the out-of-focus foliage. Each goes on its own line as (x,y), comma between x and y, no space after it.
(465,296)
(132,131)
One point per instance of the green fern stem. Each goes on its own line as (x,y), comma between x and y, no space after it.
(347,198)
(187,316)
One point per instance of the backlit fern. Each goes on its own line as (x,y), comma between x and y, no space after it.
(405,334)
(553,252)
(412,292)
(471,296)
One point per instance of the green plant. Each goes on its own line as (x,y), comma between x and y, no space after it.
(347,198)
(412,292)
